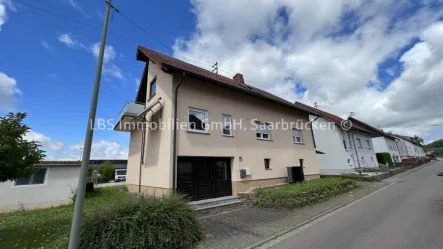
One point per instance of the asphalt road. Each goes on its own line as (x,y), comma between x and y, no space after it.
(406,214)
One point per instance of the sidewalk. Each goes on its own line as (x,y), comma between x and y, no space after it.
(249,226)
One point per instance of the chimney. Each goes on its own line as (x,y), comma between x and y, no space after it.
(239,78)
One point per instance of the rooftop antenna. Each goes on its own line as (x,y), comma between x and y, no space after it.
(316,105)
(215,68)
(351,114)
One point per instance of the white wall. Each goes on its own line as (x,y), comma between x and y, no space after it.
(55,191)
(384,144)
(329,141)
(338,159)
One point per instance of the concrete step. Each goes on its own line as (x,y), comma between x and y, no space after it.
(215,202)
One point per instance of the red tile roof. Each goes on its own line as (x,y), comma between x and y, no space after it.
(337,120)
(144,54)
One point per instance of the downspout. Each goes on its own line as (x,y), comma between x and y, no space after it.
(142,156)
(174,140)
(355,149)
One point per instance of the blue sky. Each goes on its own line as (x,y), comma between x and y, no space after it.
(348,57)
(56,81)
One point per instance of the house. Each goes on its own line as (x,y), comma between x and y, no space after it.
(52,185)
(387,144)
(408,147)
(224,140)
(384,142)
(345,147)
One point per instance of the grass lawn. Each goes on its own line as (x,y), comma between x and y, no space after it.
(49,228)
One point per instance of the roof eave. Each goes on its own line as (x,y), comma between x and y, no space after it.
(237,89)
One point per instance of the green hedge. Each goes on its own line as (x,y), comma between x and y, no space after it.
(384,158)
(143,222)
(302,194)
(361,178)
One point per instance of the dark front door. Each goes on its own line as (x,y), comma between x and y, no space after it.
(204,177)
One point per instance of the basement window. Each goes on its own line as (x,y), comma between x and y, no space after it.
(267,163)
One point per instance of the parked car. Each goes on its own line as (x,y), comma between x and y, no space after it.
(120,175)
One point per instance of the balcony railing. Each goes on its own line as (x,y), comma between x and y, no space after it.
(127,114)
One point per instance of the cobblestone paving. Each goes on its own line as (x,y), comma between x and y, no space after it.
(246,226)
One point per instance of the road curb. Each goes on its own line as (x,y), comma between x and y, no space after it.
(312,219)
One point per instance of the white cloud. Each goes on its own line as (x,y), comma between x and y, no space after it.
(46,142)
(76,6)
(57,150)
(109,68)
(308,45)
(109,54)
(8,91)
(67,39)
(47,46)
(5,5)
(113,71)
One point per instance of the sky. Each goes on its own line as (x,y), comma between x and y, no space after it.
(379,59)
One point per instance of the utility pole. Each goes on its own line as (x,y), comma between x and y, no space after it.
(74,237)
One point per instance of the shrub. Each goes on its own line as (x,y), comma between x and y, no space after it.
(303,194)
(384,158)
(107,171)
(143,222)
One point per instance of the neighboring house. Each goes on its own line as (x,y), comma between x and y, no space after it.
(51,185)
(196,158)
(408,147)
(344,150)
(387,144)
(383,142)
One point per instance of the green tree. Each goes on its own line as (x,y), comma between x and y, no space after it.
(418,139)
(107,171)
(17,155)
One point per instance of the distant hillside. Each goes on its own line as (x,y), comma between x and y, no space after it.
(436,147)
(436,144)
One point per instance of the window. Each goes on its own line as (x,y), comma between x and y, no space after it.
(372,159)
(262,131)
(349,161)
(296,136)
(197,120)
(227,125)
(362,158)
(153,87)
(37,178)
(369,144)
(344,144)
(267,163)
(350,144)
(359,143)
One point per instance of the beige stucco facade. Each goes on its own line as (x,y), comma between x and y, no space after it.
(243,148)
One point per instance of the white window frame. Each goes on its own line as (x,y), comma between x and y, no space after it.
(258,123)
(224,124)
(369,145)
(32,185)
(294,138)
(205,120)
(359,143)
